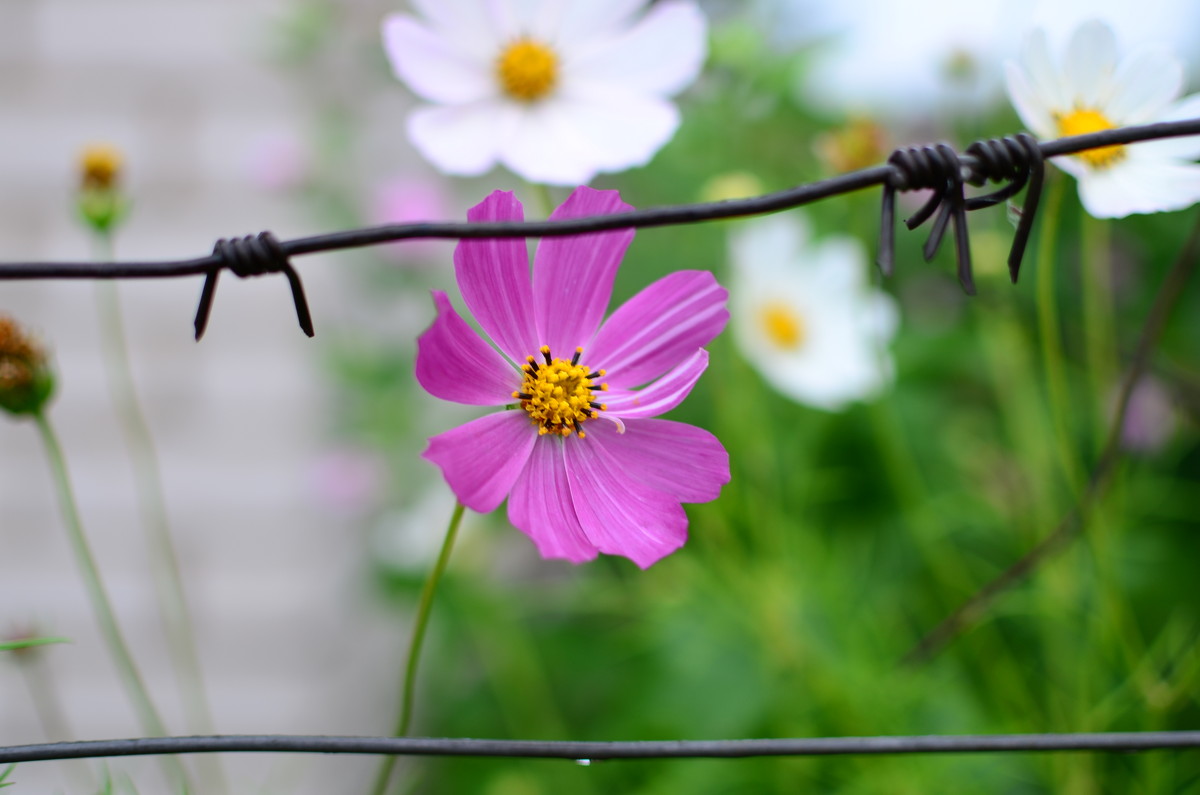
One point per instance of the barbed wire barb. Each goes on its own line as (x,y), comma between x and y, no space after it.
(1014,161)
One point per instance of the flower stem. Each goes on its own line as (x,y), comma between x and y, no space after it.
(1098,317)
(148,716)
(168,580)
(404,718)
(1076,519)
(1048,329)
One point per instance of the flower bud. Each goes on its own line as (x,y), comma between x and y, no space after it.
(26,381)
(100,202)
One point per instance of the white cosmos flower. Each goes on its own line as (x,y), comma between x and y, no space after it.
(1091,90)
(555,90)
(804,314)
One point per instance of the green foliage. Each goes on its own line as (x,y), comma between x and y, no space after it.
(843,537)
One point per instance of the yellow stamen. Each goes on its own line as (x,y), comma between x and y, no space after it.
(1083,121)
(557,395)
(783,325)
(528,70)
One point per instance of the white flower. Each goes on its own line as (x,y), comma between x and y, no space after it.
(555,90)
(1091,91)
(804,315)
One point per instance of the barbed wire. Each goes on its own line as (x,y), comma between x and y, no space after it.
(1014,161)
(1111,742)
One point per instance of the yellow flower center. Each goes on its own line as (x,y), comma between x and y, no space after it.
(99,166)
(1081,122)
(527,70)
(784,327)
(557,394)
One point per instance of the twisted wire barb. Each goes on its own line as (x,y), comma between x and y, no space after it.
(1016,160)
(593,751)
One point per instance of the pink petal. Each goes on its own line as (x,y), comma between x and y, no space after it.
(493,276)
(453,363)
(573,276)
(620,515)
(687,462)
(659,327)
(540,504)
(663,395)
(483,458)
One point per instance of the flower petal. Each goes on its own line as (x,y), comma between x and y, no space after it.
(454,363)
(463,140)
(1140,186)
(540,504)
(1029,105)
(1090,62)
(482,459)
(579,23)
(620,515)
(617,127)
(546,146)
(573,276)
(663,395)
(1144,86)
(493,276)
(430,66)
(687,462)
(661,54)
(473,26)
(1042,72)
(659,327)
(1186,148)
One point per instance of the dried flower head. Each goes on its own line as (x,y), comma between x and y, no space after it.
(26,382)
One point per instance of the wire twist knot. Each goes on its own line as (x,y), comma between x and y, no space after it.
(1015,160)
(252,255)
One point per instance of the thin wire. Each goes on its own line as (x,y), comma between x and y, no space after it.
(592,751)
(655,216)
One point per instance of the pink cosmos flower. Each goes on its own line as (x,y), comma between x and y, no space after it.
(584,464)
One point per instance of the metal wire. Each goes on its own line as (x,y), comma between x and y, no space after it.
(1016,160)
(593,751)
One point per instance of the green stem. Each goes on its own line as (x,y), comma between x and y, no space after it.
(1048,328)
(172,600)
(408,686)
(541,197)
(148,716)
(1099,331)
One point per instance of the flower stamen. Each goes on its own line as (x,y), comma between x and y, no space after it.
(1082,121)
(784,327)
(558,395)
(528,70)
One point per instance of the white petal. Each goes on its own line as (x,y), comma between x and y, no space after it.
(765,245)
(618,129)
(1035,114)
(1042,72)
(580,21)
(469,25)
(432,68)
(1144,86)
(1090,62)
(546,147)
(463,139)
(1181,148)
(661,54)
(1140,186)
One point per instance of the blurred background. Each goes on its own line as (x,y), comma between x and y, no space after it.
(305,520)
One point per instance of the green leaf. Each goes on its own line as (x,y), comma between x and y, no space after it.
(26,643)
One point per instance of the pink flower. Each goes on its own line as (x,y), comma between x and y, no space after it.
(584,465)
